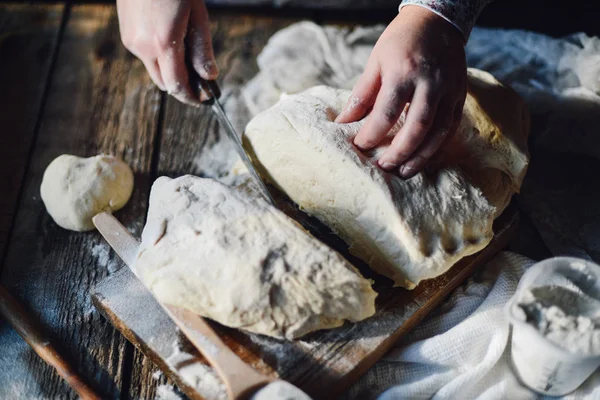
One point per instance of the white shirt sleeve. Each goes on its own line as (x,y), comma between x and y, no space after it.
(460,13)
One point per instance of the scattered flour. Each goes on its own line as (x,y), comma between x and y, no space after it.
(101,252)
(564,316)
(196,374)
(13,353)
(166,392)
(157,375)
(208,346)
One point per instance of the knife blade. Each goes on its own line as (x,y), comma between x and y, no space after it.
(212,89)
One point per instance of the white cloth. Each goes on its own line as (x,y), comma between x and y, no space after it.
(461,351)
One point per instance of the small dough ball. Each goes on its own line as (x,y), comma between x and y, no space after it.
(74,189)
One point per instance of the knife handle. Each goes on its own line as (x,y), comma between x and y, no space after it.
(197,83)
(209,87)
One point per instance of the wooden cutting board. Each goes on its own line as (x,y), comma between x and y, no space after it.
(323,364)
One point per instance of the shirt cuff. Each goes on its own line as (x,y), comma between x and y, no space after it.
(460,13)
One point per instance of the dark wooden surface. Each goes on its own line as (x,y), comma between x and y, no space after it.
(28,44)
(68,86)
(99,99)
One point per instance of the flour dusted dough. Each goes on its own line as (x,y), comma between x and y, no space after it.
(280,390)
(74,189)
(243,263)
(408,230)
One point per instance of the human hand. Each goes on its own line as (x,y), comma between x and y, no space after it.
(160,32)
(419,59)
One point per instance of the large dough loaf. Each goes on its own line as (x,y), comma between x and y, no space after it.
(211,249)
(408,230)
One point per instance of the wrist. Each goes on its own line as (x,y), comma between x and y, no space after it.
(460,14)
(431,20)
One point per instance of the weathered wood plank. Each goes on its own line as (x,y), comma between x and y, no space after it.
(100,100)
(28,43)
(191,140)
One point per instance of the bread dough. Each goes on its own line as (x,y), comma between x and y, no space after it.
(408,230)
(74,189)
(212,249)
(280,390)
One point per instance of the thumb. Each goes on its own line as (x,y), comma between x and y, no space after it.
(200,42)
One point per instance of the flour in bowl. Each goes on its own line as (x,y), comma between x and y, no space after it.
(566,317)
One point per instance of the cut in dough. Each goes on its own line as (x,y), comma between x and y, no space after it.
(74,189)
(211,249)
(407,230)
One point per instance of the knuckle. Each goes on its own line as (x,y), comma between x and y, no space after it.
(410,66)
(133,43)
(175,89)
(356,101)
(418,160)
(402,155)
(128,42)
(184,97)
(368,143)
(399,155)
(427,152)
(164,42)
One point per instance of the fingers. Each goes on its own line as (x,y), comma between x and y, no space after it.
(363,95)
(387,109)
(419,120)
(445,123)
(200,47)
(154,72)
(160,33)
(200,43)
(175,74)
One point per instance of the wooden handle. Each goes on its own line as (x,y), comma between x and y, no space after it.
(32,333)
(240,379)
(117,236)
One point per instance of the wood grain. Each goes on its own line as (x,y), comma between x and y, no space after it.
(28,43)
(323,364)
(28,328)
(100,101)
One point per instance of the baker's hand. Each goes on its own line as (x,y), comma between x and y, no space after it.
(419,59)
(160,32)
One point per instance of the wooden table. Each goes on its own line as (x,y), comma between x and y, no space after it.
(67,85)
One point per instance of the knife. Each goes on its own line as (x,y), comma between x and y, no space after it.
(212,89)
